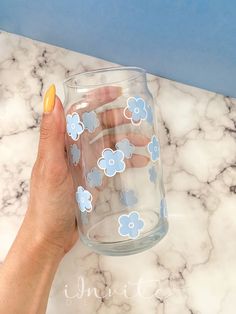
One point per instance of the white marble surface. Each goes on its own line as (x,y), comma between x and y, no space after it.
(192,270)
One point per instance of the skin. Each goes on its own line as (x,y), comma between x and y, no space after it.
(49,229)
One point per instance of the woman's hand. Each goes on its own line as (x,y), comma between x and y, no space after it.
(51,210)
(49,229)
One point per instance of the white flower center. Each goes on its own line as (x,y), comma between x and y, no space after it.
(73,126)
(136,110)
(111,162)
(131,225)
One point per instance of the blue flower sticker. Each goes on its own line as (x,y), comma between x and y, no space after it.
(111,162)
(90,121)
(128,198)
(152,174)
(163,209)
(135,110)
(154,148)
(94,178)
(74,126)
(126,147)
(149,113)
(84,199)
(75,154)
(130,225)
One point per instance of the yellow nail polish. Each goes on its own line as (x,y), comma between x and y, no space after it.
(49,99)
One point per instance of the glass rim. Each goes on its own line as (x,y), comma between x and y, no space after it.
(138,72)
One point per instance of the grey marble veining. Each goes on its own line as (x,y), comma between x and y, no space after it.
(192,270)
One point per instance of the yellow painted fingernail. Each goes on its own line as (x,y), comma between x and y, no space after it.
(49,99)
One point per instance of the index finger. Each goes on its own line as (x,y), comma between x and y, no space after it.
(95,98)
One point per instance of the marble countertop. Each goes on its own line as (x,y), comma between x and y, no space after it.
(192,270)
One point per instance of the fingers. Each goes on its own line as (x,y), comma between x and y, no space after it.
(96,98)
(52,133)
(110,140)
(112,117)
(137,161)
(102,96)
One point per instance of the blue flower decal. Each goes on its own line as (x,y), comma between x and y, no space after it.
(94,178)
(84,199)
(90,121)
(128,198)
(111,162)
(149,113)
(126,147)
(75,154)
(152,174)
(130,225)
(163,209)
(135,110)
(154,148)
(74,126)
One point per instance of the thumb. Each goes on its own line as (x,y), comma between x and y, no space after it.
(52,128)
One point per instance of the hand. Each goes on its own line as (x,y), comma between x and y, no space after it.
(51,210)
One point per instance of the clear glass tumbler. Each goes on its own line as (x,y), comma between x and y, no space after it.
(114,153)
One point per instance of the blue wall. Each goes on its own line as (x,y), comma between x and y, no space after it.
(190,41)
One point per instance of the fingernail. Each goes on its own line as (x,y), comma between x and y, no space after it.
(49,99)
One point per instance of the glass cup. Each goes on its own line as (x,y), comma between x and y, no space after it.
(114,158)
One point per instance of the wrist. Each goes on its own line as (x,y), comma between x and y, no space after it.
(37,246)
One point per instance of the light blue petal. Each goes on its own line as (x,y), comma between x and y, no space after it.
(120,166)
(84,195)
(126,147)
(90,120)
(118,155)
(142,114)
(94,178)
(136,116)
(108,154)
(110,170)
(124,220)
(128,198)
(102,163)
(75,118)
(154,140)
(69,119)
(150,147)
(132,102)
(140,224)
(75,154)
(74,134)
(68,128)
(124,230)
(133,232)
(152,174)
(134,217)
(79,128)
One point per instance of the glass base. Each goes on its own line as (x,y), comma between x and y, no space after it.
(128,247)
